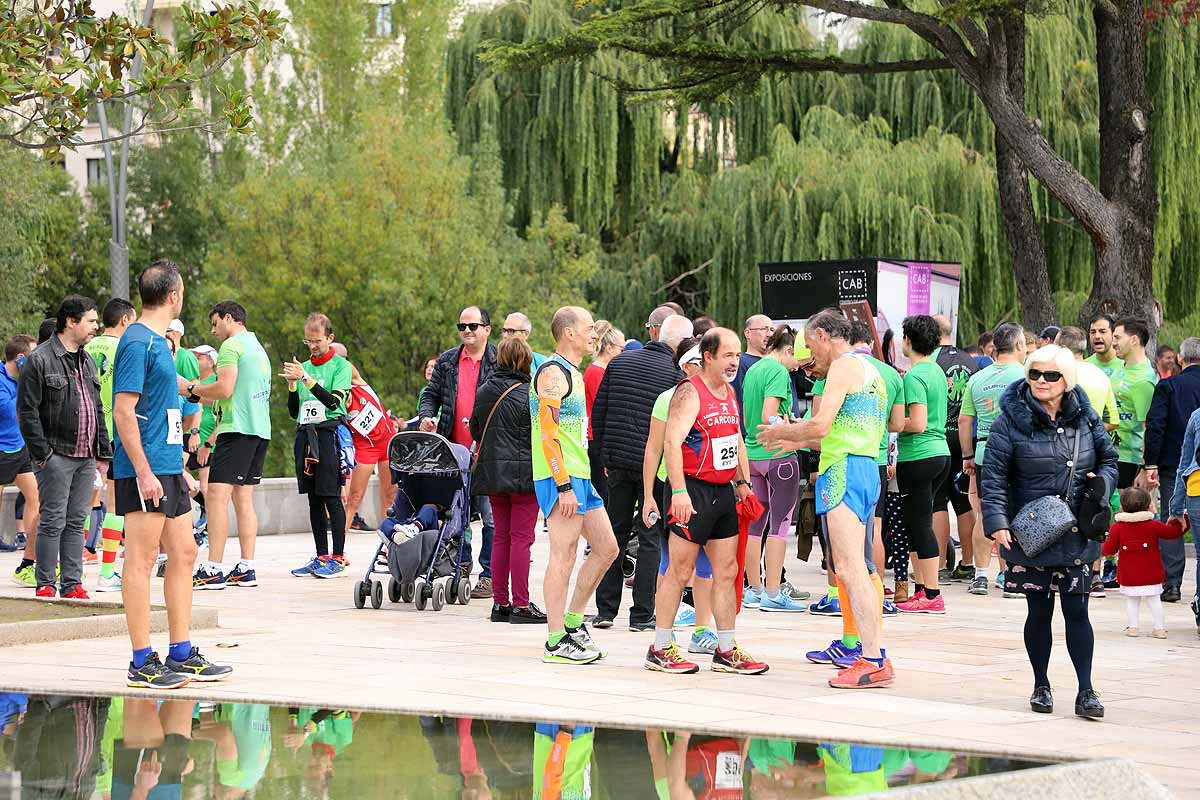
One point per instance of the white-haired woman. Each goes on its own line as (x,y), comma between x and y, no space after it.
(609,344)
(1029,455)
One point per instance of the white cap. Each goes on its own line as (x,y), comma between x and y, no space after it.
(176,326)
(206,350)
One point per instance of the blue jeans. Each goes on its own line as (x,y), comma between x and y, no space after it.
(1192,504)
(484,507)
(1173,551)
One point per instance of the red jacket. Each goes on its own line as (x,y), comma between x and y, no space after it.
(1135,537)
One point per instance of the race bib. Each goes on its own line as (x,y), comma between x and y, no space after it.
(174,426)
(312,412)
(366,420)
(725,451)
(729,771)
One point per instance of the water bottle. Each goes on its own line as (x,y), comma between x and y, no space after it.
(653,517)
(774,419)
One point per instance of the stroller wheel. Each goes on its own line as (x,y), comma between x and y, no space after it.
(360,594)
(376,594)
(406,591)
(419,596)
(439,595)
(394,590)
(464,592)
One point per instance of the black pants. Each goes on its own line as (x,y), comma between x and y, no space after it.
(1127,473)
(625,514)
(599,479)
(1039,636)
(919,482)
(327,516)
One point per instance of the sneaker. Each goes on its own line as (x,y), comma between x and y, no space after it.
(482,590)
(737,662)
(793,592)
(889,608)
(923,605)
(204,580)
(752,597)
(358,524)
(602,623)
(781,602)
(154,675)
(1158,633)
(1097,587)
(309,568)
(5,547)
(199,668)
(962,573)
(160,565)
(669,659)
(567,651)
(686,617)
(400,534)
(584,639)
(500,613)
(20,540)
(332,568)
(110,584)
(527,615)
(1131,632)
(836,652)
(76,593)
(241,577)
(826,607)
(1112,583)
(1108,572)
(45,592)
(1000,580)
(89,557)
(642,626)
(703,643)
(26,577)
(979,586)
(862,674)
(1195,606)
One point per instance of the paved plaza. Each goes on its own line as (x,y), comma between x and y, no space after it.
(962,680)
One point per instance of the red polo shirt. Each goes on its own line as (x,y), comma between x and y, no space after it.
(464,403)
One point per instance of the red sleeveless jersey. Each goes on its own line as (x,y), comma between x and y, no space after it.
(710,451)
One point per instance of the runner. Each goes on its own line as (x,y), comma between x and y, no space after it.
(848,427)
(118,315)
(317,392)
(959,366)
(562,482)
(980,408)
(15,464)
(150,488)
(704,452)
(241,398)
(186,364)
(200,456)
(1133,384)
(1100,331)
(372,429)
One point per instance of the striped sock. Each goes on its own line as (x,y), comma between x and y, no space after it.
(110,540)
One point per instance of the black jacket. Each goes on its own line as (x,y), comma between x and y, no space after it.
(1027,458)
(1174,401)
(48,404)
(504,464)
(624,401)
(442,392)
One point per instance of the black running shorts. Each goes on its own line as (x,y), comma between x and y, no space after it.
(238,459)
(716,512)
(14,464)
(175,501)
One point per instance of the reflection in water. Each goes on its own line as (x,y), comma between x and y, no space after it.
(72,748)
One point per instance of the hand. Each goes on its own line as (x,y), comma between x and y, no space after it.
(648,505)
(192,485)
(1147,479)
(101,467)
(742,491)
(969,466)
(568,504)
(147,774)
(193,442)
(294,739)
(181,384)
(1003,538)
(428,425)
(293,372)
(202,456)
(682,508)
(770,437)
(149,487)
(891,472)
(1180,521)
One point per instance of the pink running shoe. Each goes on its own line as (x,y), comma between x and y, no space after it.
(923,605)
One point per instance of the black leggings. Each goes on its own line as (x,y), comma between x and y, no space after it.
(1039,638)
(919,481)
(328,514)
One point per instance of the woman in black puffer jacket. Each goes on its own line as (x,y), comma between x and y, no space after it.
(504,472)
(1028,456)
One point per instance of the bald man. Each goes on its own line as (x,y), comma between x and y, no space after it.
(518,326)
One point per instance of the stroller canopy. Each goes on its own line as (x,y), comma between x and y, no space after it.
(420,453)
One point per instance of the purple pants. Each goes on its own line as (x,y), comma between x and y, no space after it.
(776,484)
(515,518)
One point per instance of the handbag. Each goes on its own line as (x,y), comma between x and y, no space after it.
(487,422)
(1042,522)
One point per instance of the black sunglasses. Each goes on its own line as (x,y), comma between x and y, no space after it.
(1051,375)
(462,326)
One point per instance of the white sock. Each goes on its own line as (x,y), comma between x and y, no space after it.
(1132,605)
(213,567)
(1156,612)
(662,638)
(725,641)
(983,572)
(246,564)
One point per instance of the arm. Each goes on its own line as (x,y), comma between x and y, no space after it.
(126,424)
(770,407)
(742,476)
(293,402)
(685,405)
(1156,423)
(330,400)
(918,418)
(966,436)
(896,418)
(809,432)
(221,388)
(1110,415)
(1112,544)
(551,388)
(29,416)
(1168,530)
(1179,490)
(650,461)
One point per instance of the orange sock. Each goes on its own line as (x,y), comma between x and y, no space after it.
(877,582)
(849,625)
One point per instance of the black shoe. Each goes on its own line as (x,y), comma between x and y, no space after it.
(1171,595)
(527,615)
(644,625)
(501,613)
(601,622)
(1087,704)
(154,675)
(199,668)
(1042,701)
(359,524)
(1196,611)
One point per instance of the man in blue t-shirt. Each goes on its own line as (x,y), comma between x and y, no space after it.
(150,489)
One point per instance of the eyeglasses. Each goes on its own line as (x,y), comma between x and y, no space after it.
(472,326)
(1050,375)
(313,342)
(763,328)
(508,331)
(650,325)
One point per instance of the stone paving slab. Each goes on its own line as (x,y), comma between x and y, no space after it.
(963,680)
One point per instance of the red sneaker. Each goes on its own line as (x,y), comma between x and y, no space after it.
(77,593)
(923,605)
(669,660)
(862,674)
(738,662)
(89,556)
(45,591)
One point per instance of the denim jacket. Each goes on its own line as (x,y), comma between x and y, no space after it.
(48,405)
(1187,464)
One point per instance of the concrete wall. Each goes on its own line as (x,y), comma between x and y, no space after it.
(280,508)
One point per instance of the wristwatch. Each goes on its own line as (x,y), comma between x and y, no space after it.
(193,431)
(192,397)
(209,445)
(741,482)
(563,488)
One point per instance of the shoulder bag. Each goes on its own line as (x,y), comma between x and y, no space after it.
(487,422)
(1042,522)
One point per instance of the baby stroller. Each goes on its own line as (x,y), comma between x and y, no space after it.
(426,569)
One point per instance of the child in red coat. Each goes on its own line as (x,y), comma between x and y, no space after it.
(1134,536)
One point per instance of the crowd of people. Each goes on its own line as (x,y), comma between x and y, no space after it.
(686,463)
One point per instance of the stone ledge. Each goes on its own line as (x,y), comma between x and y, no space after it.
(1105,779)
(100,626)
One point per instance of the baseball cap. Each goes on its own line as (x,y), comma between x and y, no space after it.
(1049,332)
(176,326)
(206,350)
(801,352)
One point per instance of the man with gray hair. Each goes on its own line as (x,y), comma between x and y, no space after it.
(620,427)
(517,325)
(1172,405)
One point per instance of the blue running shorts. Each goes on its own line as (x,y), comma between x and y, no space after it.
(854,481)
(547,495)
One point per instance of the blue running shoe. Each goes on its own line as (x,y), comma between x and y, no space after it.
(835,650)
(703,642)
(781,602)
(752,597)
(847,659)
(889,609)
(241,577)
(826,607)
(205,580)
(686,617)
(1000,580)
(309,568)
(333,568)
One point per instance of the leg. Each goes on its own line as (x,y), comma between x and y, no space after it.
(1173,551)
(488,532)
(501,546)
(247,518)
(181,549)
(1039,639)
(217,503)
(357,490)
(1133,606)
(598,533)
(941,532)
(981,549)
(666,604)
(318,518)
(143,534)
(337,524)
(723,555)
(142,726)
(79,506)
(846,533)
(761,486)
(877,554)
(1156,612)
(917,482)
(1080,639)
(702,593)
(784,490)
(620,516)
(645,573)
(522,527)
(27,485)
(564,543)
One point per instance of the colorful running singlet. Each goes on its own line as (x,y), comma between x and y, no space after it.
(572,423)
(982,400)
(710,450)
(103,350)
(1134,389)
(861,422)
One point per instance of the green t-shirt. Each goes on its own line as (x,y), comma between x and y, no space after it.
(103,350)
(895,393)
(331,376)
(1134,389)
(248,409)
(662,404)
(1107,367)
(982,399)
(765,378)
(186,365)
(572,424)
(208,422)
(860,422)
(926,384)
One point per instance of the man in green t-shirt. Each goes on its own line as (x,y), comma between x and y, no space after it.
(1133,384)
(186,365)
(1104,354)
(241,410)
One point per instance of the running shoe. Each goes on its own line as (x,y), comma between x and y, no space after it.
(77,593)
(1195,607)
(400,534)
(793,592)
(21,540)
(642,625)
(831,654)
(112,583)
(603,623)
(332,568)
(781,602)
(979,585)
(89,557)
(45,592)
(737,662)
(154,675)
(5,547)
(703,643)
(584,639)
(962,573)
(160,565)
(199,668)
(359,524)
(826,607)
(308,569)
(567,651)
(241,577)
(862,674)
(1097,587)
(686,617)
(670,660)
(26,577)
(1000,580)
(752,597)
(889,608)
(923,605)
(852,655)
(204,580)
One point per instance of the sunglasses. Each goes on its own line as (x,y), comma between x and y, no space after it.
(1050,375)
(509,331)
(472,326)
